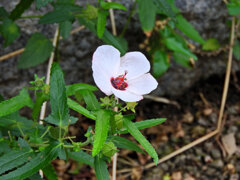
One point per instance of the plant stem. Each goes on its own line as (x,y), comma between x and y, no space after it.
(129,19)
(28,17)
(45,132)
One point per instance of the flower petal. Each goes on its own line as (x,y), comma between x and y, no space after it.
(107,58)
(126,95)
(135,63)
(102,81)
(142,85)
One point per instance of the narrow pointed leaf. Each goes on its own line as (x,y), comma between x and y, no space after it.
(82,157)
(65,29)
(50,172)
(14,159)
(37,50)
(71,89)
(124,143)
(147,14)
(145,124)
(100,168)
(20,8)
(77,107)
(164,7)
(11,105)
(36,163)
(188,29)
(58,99)
(101,130)
(133,130)
(90,99)
(101,22)
(112,5)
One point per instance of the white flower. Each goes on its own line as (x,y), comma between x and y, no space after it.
(126,77)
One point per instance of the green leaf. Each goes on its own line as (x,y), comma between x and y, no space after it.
(50,172)
(40,99)
(133,130)
(100,168)
(147,14)
(182,59)
(236,50)
(112,5)
(107,37)
(176,46)
(145,124)
(90,99)
(233,8)
(101,130)
(14,120)
(126,144)
(101,22)
(164,7)
(37,50)
(71,89)
(20,8)
(82,157)
(184,26)
(58,99)
(11,105)
(65,29)
(9,30)
(38,162)
(160,63)
(109,149)
(14,159)
(41,3)
(77,107)
(56,16)
(35,176)
(3,13)
(211,45)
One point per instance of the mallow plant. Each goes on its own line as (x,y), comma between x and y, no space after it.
(29,145)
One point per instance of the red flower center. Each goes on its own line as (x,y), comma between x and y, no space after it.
(119,82)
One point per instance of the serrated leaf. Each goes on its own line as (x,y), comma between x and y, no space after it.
(101,22)
(37,50)
(49,172)
(164,7)
(58,98)
(82,157)
(65,29)
(176,46)
(101,130)
(160,63)
(147,14)
(71,89)
(36,163)
(184,26)
(126,144)
(107,37)
(77,107)
(20,8)
(9,30)
(14,159)
(100,168)
(133,130)
(11,105)
(90,99)
(182,59)
(112,5)
(145,124)
(233,8)
(211,45)
(236,50)
(41,3)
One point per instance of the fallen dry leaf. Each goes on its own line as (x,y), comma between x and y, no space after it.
(176,176)
(229,144)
